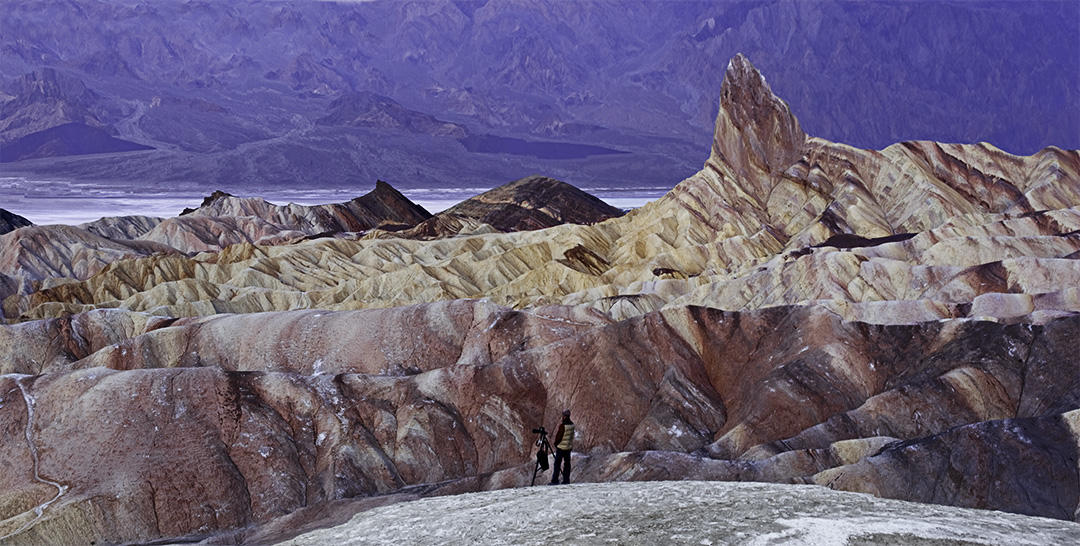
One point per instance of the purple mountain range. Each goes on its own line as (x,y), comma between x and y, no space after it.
(599,93)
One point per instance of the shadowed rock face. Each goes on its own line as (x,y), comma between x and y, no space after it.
(10,221)
(46,99)
(900,322)
(66,139)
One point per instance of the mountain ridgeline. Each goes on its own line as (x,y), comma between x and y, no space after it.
(606,93)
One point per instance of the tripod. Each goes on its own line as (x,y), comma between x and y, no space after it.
(542,453)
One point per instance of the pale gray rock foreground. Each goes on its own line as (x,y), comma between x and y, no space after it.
(688,512)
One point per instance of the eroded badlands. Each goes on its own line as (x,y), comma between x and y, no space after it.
(900,322)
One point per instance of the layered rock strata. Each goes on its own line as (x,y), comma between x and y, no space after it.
(269,413)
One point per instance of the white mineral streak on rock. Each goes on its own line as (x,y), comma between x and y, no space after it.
(38,510)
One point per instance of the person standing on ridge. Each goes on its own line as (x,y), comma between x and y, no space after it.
(564,443)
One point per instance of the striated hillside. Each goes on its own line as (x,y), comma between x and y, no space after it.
(899,322)
(382,206)
(272,412)
(745,232)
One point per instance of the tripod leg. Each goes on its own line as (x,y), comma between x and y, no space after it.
(535,470)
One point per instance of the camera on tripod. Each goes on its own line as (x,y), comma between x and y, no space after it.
(544,448)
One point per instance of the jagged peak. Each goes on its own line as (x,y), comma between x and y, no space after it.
(383,187)
(387,197)
(755,130)
(742,73)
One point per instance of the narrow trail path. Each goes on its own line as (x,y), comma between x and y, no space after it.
(38,510)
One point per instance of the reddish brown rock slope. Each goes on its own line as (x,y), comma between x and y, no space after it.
(269,413)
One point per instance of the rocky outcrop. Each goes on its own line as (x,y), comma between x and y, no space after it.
(383,207)
(208,201)
(223,220)
(531,203)
(10,221)
(1026,465)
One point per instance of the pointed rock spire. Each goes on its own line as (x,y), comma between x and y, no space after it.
(756,133)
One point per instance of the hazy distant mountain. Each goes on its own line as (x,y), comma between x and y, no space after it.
(44,99)
(367,109)
(66,139)
(321,93)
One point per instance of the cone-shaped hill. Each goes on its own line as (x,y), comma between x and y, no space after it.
(531,203)
(535,202)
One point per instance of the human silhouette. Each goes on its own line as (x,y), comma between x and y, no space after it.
(564,443)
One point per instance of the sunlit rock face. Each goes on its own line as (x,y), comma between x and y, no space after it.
(899,322)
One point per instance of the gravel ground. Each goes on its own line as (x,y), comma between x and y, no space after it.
(703,513)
